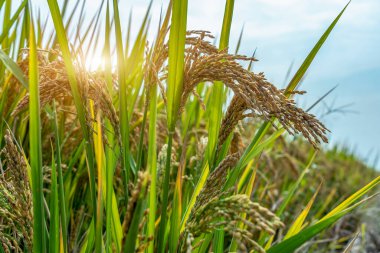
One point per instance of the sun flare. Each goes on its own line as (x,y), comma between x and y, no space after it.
(94,62)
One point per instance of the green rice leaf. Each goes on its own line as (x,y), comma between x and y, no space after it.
(39,239)
(309,59)
(54,211)
(13,68)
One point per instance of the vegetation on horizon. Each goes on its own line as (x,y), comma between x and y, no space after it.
(171,146)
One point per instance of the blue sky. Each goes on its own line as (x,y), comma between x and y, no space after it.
(283,33)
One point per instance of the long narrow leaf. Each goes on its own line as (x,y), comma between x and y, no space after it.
(39,239)
(13,68)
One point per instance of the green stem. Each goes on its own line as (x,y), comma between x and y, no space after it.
(39,235)
(152,163)
(140,148)
(165,193)
(61,190)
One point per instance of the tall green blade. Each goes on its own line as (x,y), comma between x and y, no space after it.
(177,39)
(216,110)
(54,211)
(176,60)
(110,157)
(152,145)
(152,165)
(123,106)
(294,242)
(61,190)
(215,106)
(9,23)
(39,238)
(309,59)
(13,68)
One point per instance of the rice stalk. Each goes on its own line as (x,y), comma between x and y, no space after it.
(16,200)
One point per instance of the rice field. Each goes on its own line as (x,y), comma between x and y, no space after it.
(170,145)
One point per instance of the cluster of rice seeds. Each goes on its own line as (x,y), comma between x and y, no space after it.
(258,219)
(161,164)
(234,114)
(215,182)
(15,199)
(224,211)
(54,85)
(215,208)
(205,63)
(236,143)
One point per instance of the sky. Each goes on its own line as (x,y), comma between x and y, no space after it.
(284,32)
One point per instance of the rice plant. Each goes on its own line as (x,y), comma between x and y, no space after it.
(171,145)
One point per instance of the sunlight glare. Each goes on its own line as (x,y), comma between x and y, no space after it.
(93,63)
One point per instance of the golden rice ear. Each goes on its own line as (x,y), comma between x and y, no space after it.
(234,114)
(224,211)
(205,63)
(54,85)
(236,143)
(216,180)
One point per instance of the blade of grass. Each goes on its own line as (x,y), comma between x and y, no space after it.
(39,236)
(123,106)
(291,244)
(176,60)
(110,153)
(215,106)
(176,214)
(177,38)
(95,30)
(201,181)
(299,222)
(54,211)
(309,59)
(353,198)
(152,165)
(152,144)
(218,241)
(61,191)
(7,25)
(165,193)
(239,40)
(99,152)
(24,30)
(13,68)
